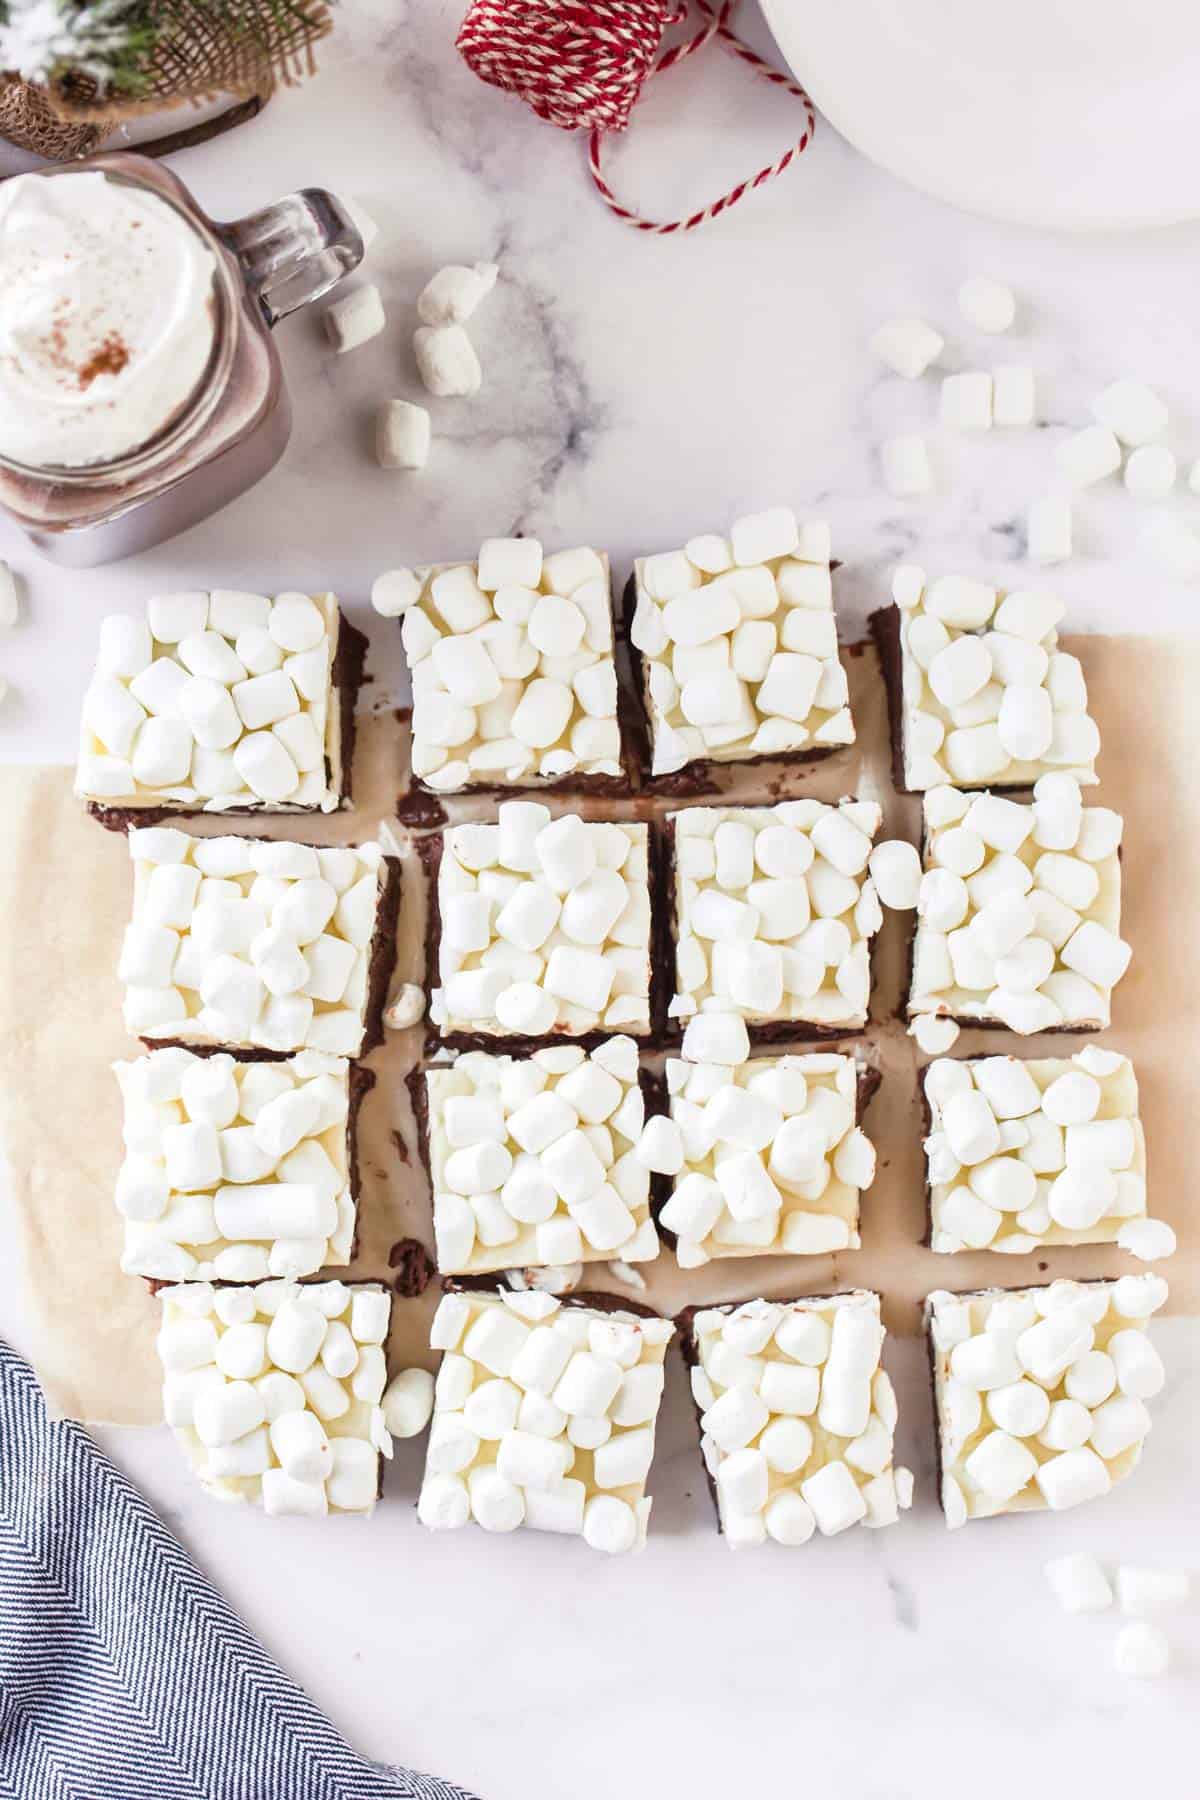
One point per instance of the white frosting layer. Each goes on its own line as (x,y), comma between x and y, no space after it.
(215,701)
(107,317)
(987,694)
(531,1159)
(797,1417)
(241,941)
(545,926)
(234,1171)
(1019,912)
(544,1416)
(274,1391)
(771,1159)
(1041,1392)
(512,667)
(1050,1151)
(739,645)
(774,911)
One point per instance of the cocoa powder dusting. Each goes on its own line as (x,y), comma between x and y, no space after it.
(109,358)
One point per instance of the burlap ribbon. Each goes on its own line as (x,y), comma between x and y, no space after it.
(201,53)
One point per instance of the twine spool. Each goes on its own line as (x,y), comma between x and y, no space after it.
(583,66)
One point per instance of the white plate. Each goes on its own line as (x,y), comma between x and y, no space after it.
(1080,114)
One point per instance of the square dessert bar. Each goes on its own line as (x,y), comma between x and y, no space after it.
(1041,1392)
(979,692)
(221,702)
(1023,1154)
(1019,914)
(734,648)
(274,1391)
(537,928)
(544,1415)
(772,914)
(234,1171)
(765,1158)
(531,1158)
(513,677)
(243,943)
(797,1417)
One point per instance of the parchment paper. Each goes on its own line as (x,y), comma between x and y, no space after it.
(65,889)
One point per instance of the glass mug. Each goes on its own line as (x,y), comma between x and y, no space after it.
(234,422)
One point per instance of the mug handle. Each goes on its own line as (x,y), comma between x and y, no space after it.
(294,250)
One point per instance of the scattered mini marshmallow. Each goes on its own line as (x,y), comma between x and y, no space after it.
(966,401)
(408,1402)
(1048,530)
(933,1035)
(402,435)
(907,346)
(1147,1239)
(8,598)
(1150,472)
(406,1009)
(446,361)
(1142,1591)
(1132,411)
(1013,395)
(395,592)
(355,318)
(1173,543)
(905,462)
(453,294)
(987,305)
(1079,1583)
(1089,455)
(1141,1651)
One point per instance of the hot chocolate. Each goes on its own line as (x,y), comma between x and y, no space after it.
(108,318)
(140,389)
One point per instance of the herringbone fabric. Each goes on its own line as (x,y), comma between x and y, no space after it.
(123,1673)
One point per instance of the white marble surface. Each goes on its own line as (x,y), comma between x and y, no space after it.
(638,390)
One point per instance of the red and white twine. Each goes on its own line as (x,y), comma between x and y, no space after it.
(583,66)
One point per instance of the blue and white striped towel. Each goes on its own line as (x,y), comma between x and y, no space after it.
(123,1673)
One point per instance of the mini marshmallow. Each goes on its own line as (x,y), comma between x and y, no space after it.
(454,293)
(402,439)
(1141,1652)
(1131,411)
(446,361)
(907,346)
(354,319)
(1079,1583)
(1150,472)
(987,305)
(905,464)
(1048,530)
(966,401)
(1089,455)
(1013,402)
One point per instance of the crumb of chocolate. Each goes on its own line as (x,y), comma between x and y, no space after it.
(413,1265)
(401,1147)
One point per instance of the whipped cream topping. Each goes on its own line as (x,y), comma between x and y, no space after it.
(106,317)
